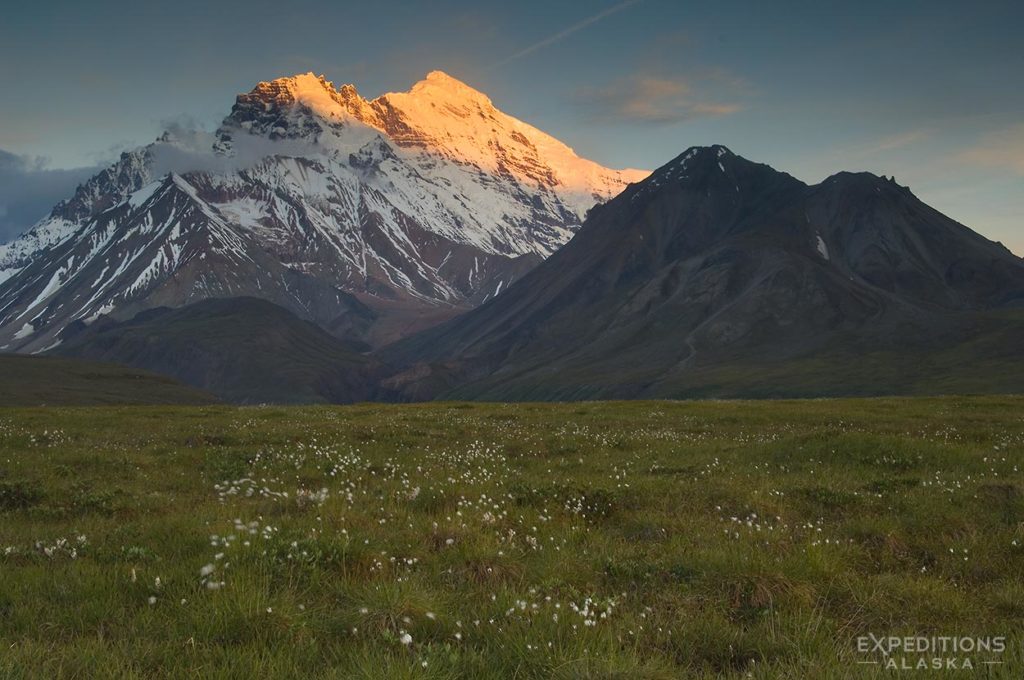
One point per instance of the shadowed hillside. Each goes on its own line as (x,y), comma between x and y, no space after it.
(53,381)
(244,350)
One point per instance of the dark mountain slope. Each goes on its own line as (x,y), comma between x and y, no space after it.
(54,381)
(242,349)
(722,277)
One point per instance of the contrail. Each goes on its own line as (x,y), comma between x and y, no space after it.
(569,31)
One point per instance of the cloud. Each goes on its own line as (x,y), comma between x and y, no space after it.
(872,151)
(29,189)
(897,141)
(185,150)
(651,100)
(1000,150)
(565,33)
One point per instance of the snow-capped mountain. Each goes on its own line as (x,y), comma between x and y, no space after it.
(370,217)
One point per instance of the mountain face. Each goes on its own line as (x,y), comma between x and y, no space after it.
(243,350)
(718,276)
(372,218)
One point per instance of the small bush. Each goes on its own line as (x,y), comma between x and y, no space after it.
(19,495)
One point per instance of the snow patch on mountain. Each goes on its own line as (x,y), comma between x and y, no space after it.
(822,247)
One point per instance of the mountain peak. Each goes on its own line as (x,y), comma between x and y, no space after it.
(862,178)
(310,89)
(704,161)
(440,76)
(712,153)
(277,108)
(440,85)
(439,112)
(292,86)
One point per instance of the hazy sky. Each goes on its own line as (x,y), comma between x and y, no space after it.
(929,91)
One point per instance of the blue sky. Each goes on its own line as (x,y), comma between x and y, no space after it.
(928,91)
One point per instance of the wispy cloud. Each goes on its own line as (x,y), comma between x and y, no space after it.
(872,151)
(1001,150)
(653,100)
(897,141)
(565,33)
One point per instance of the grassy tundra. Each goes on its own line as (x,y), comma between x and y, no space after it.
(592,540)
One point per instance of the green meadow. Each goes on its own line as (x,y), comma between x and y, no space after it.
(456,540)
